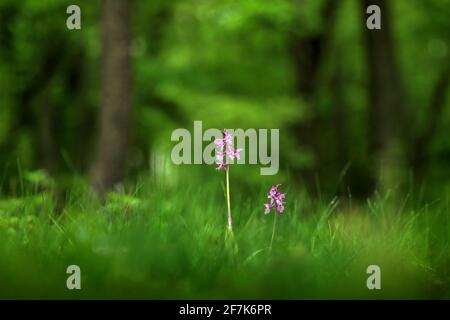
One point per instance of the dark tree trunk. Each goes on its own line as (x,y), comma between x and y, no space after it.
(83,115)
(341,124)
(308,52)
(115,115)
(36,113)
(47,143)
(386,113)
(308,55)
(435,110)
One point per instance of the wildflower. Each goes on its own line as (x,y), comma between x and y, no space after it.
(225,153)
(277,204)
(276,200)
(234,153)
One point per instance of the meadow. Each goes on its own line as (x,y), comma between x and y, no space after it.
(95,96)
(158,240)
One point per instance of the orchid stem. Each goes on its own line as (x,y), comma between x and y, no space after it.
(273,230)
(229,201)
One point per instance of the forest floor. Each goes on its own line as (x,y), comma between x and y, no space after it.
(158,242)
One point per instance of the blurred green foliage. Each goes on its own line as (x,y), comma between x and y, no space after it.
(228,63)
(231,64)
(162,242)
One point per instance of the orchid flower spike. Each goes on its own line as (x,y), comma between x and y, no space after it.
(276,200)
(225,151)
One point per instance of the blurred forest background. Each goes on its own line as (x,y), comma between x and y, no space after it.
(358,110)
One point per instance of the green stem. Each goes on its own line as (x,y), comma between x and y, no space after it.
(273,230)
(229,201)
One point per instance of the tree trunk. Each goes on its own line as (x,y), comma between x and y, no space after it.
(386,114)
(115,115)
(423,140)
(46,135)
(308,55)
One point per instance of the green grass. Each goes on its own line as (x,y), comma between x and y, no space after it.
(167,241)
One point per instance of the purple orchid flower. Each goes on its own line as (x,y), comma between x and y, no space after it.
(225,151)
(276,203)
(276,200)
